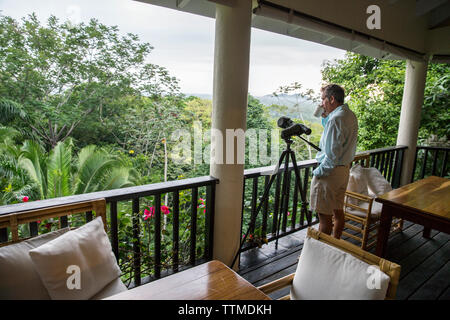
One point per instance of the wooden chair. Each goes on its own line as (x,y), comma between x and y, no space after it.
(12,221)
(360,216)
(388,267)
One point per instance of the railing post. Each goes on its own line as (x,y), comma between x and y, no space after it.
(397,168)
(114,229)
(176,230)
(209,223)
(136,243)
(157,235)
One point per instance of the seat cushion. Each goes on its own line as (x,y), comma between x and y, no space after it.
(78,264)
(374,214)
(18,278)
(328,273)
(112,288)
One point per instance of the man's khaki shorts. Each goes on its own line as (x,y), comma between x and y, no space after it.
(327,193)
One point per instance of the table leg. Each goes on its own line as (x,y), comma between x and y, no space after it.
(426,232)
(383,231)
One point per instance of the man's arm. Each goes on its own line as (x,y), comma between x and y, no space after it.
(334,141)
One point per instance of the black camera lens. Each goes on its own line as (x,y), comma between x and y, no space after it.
(285,122)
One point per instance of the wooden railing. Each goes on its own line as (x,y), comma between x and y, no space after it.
(151,248)
(137,243)
(297,215)
(431,161)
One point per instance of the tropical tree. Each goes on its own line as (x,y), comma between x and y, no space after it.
(57,174)
(375,89)
(60,76)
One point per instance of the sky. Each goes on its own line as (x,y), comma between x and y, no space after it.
(184,43)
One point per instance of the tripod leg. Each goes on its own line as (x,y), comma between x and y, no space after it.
(284,197)
(261,202)
(301,190)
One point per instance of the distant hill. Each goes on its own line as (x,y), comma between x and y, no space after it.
(295,106)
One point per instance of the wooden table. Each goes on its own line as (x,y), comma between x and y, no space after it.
(425,202)
(208,281)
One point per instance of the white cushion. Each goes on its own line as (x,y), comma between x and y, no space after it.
(18,278)
(327,273)
(86,248)
(112,288)
(357,181)
(377,184)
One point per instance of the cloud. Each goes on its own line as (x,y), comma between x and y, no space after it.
(184,43)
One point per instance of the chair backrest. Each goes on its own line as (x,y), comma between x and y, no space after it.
(13,220)
(362,159)
(390,268)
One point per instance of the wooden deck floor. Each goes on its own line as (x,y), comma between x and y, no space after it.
(425,263)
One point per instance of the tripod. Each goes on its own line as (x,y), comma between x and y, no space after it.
(286,155)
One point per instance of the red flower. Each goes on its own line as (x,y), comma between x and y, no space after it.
(25,199)
(149,213)
(165,210)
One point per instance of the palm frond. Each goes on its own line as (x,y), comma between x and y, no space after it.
(59,170)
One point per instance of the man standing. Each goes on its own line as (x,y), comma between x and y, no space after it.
(338,145)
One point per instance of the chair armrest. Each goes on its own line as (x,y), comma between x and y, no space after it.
(277,284)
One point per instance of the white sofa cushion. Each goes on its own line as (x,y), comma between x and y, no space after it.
(327,273)
(112,288)
(377,184)
(357,181)
(18,278)
(86,249)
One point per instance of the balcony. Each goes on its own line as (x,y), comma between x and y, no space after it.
(165,244)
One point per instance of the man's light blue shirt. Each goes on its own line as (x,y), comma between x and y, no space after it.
(338,141)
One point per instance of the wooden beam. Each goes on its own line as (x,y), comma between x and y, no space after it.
(439,15)
(425,6)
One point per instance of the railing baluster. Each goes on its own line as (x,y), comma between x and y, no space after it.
(254,202)
(88,216)
(304,192)
(435,156)
(444,164)
(193,226)
(176,230)
(294,203)
(33,229)
(372,160)
(382,169)
(136,243)
(378,158)
(415,163)
(397,169)
(209,223)
(391,166)
(424,164)
(3,235)
(276,205)
(63,222)
(114,232)
(386,165)
(285,204)
(265,209)
(158,236)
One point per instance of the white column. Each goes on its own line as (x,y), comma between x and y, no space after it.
(413,92)
(231,69)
